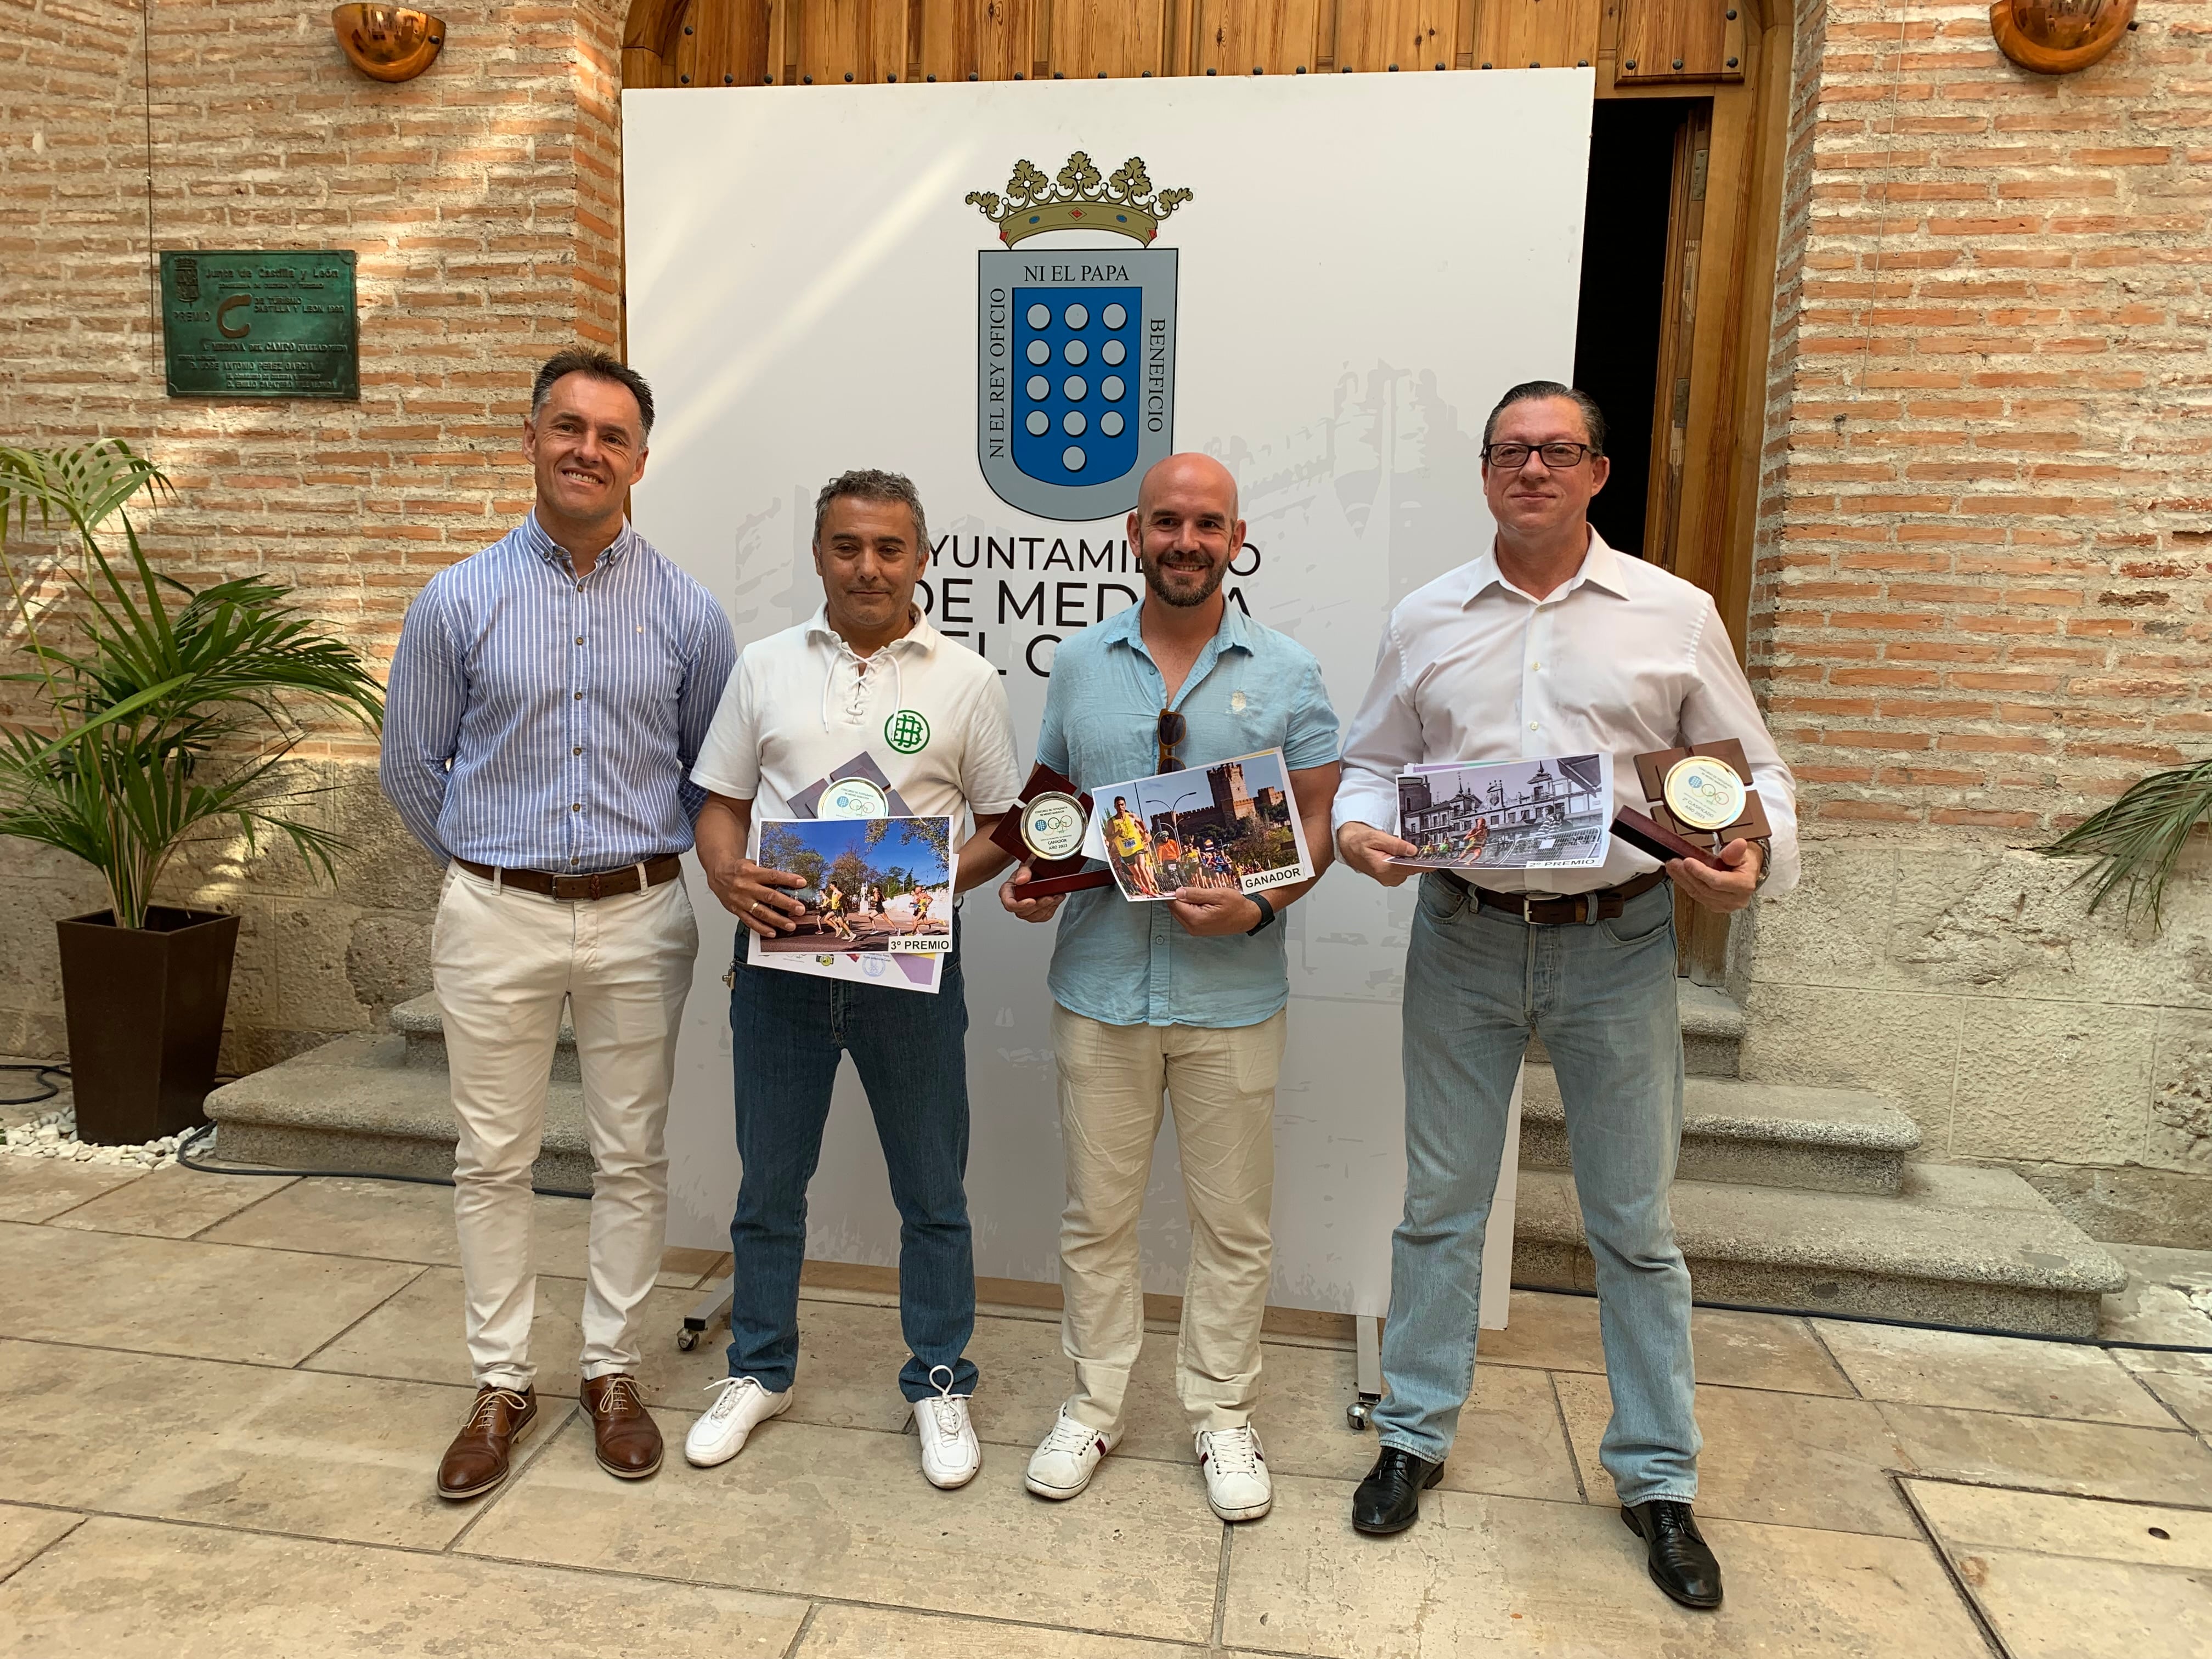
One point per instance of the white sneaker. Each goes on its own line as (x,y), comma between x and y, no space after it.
(950,1455)
(721,1434)
(1063,1463)
(1237,1483)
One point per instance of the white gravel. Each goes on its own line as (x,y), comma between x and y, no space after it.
(53,1134)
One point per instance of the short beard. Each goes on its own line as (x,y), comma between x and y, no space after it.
(1153,585)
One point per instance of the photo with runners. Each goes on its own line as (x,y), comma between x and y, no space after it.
(871,884)
(1233,825)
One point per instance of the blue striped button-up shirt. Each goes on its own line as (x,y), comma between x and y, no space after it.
(537,721)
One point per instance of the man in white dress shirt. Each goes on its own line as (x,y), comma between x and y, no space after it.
(1551,643)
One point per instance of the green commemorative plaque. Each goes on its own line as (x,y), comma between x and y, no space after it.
(260,324)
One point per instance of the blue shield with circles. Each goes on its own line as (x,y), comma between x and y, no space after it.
(1075,376)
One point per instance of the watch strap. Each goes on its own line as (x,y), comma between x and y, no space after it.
(1267,914)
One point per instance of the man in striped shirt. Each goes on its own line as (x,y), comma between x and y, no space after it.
(547,700)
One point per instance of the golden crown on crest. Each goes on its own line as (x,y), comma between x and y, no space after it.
(1079,197)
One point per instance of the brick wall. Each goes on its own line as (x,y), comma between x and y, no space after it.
(1981,589)
(482,200)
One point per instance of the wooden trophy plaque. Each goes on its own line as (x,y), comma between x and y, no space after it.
(1701,800)
(1045,829)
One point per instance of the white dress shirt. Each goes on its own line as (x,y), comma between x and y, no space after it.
(802,702)
(1624,658)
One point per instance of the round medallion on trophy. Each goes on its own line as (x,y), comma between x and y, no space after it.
(852,798)
(1703,792)
(1052,825)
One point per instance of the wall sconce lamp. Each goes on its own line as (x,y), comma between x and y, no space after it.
(388,43)
(2057,37)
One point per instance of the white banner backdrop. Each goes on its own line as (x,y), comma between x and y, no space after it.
(1365,263)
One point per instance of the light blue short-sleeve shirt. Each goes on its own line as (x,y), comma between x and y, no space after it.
(1252,689)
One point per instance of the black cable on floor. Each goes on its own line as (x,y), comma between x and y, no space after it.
(192,1138)
(1906,1324)
(46,1075)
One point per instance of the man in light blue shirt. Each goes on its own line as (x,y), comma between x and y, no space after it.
(1185,994)
(547,697)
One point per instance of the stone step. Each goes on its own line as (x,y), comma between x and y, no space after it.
(366,1103)
(1712,1031)
(1953,1245)
(1762,1134)
(422,1023)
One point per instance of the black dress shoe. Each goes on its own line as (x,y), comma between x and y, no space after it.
(1389,1499)
(1681,1563)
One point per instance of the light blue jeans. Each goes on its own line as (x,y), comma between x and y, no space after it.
(1477,983)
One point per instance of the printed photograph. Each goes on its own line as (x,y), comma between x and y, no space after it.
(1554,813)
(871,884)
(1234,825)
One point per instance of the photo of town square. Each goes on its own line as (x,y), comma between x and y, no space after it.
(1513,815)
(871,884)
(1233,825)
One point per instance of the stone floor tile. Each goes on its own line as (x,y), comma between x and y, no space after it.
(247,1446)
(2047,1607)
(1988,1373)
(39,1189)
(1551,1332)
(1479,1573)
(1737,1350)
(2094,1459)
(193,1593)
(857,1633)
(172,1203)
(1807,1461)
(2149,1309)
(397,1221)
(806,1510)
(1510,1438)
(24,1532)
(418,1334)
(2182,1380)
(2078,1577)
(175,1297)
(2044,1523)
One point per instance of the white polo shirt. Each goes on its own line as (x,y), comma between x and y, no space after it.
(802,703)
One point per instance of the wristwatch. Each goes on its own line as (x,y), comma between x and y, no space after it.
(1267,914)
(1765,845)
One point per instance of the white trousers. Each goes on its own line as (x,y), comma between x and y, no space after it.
(1221,1082)
(503,962)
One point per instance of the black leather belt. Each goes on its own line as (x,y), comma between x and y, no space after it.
(1609,902)
(604,884)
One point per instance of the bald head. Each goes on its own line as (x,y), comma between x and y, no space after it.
(1190,471)
(1185,529)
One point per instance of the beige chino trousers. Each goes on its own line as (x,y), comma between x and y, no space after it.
(1221,1084)
(503,962)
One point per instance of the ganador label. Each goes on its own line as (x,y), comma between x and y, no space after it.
(1075,345)
(260,324)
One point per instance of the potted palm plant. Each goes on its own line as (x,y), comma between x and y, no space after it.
(160,714)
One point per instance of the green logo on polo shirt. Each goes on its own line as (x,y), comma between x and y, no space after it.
(906,731)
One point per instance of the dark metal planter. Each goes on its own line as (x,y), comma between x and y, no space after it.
(145,1008)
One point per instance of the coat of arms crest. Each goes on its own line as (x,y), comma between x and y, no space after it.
(1075,344)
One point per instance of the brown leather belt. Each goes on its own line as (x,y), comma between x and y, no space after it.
(1560,912)
(604,884)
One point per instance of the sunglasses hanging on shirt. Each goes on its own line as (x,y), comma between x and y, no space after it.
(1171,730)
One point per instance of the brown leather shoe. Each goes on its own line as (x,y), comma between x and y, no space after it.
(478,1460)
(628,1439)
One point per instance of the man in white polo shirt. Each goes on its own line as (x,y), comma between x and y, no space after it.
(866,677)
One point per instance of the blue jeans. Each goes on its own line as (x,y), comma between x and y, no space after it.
(910,1050)
(1478,982)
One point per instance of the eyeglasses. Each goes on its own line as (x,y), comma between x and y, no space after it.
(1558,457)
(1170,735)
